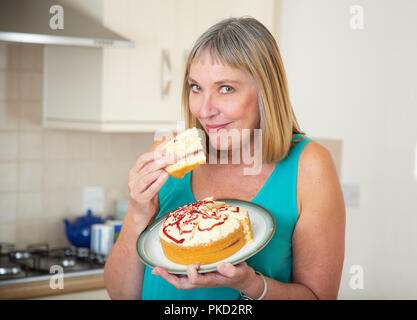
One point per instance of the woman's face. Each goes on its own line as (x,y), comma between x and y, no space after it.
(223,99)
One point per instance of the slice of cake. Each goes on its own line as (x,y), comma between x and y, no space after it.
(205,231)
(188,150)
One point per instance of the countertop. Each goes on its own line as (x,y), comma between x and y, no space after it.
(34,287)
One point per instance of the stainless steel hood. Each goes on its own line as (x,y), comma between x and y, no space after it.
(28,21)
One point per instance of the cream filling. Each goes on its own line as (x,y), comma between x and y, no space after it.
(189,160)
(184,143)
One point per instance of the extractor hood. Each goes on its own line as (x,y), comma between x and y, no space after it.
(28,21)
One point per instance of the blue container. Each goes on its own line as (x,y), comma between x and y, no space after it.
(79,231)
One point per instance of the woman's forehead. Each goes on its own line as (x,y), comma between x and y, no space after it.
(201,71)
(209,57)
(213,63)
(215,72)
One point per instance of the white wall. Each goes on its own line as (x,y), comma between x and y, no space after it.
(360,86)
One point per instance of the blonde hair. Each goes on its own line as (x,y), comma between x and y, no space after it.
(246,44)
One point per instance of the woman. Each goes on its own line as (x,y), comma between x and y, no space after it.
(235,79)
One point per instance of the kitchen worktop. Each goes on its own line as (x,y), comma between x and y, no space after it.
(35,287)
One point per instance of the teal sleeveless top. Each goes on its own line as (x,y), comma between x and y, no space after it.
(278,195)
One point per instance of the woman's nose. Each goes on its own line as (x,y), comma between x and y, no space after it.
(208,107)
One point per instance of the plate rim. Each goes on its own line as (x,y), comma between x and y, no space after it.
(245,257)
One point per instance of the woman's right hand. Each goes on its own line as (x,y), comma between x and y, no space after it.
(145,180)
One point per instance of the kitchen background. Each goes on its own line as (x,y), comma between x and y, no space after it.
(351,69)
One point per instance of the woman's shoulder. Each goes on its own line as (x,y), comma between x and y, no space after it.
(317,176)
(314,159)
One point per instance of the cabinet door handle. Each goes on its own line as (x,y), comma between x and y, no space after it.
(166,74)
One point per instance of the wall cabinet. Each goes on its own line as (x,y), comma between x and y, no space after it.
(134,89)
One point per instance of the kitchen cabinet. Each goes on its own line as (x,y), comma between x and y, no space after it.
(134,89)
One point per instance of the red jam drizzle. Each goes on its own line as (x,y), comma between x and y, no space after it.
(187,215)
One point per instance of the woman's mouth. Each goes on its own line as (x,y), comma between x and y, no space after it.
(216,127)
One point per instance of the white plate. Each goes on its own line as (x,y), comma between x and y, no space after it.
(263,228)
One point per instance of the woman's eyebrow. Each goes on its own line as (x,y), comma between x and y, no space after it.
(227,81)
(219,81)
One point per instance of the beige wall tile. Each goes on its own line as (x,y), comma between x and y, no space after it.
(29,205)
(9,145)
(79,146)
(130,146)
(102,147)
(9,56)
(31,116)
(113,194)
(119,174)
(55,232)
(74,207)
(31,57)
(30,176)
(101,174)
(55,176)
(79,174)
(8,176)
(31,84)
(8,232)
(54,204)
(8,202)
(55,145)
(9,85)
(30,146)
(9,115)
(27,231)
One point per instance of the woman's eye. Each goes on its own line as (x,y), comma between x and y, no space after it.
(195,88)
(226,89)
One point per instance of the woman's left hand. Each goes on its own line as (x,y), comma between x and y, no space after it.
(237,277)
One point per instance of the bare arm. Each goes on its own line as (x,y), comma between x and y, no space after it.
(319,236)
(123,272)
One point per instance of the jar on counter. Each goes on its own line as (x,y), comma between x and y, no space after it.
(117,225)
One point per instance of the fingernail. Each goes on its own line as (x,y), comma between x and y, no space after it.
(155,272)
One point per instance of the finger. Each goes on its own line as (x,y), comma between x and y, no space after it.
(176,281)
(150,192)
(149,179)
(228,270)
(193,275)
(148,157)
(142,161)
(158,163)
